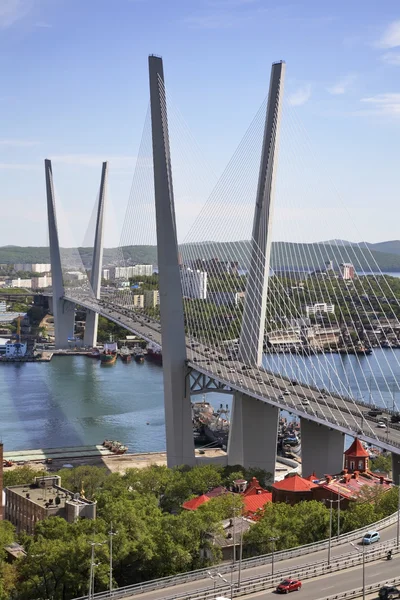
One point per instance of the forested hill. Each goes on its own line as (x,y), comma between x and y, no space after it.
(284,254)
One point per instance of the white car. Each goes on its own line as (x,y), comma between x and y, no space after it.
(381,425)
(305,401)
(286,393)
(232,370)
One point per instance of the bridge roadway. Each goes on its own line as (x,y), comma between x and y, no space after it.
(340,413)
(319,587)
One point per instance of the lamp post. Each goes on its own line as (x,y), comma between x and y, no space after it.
(240,554)
(92,568)
(111,533)
(214,578)
(273,540)
(363,566)
(226,581)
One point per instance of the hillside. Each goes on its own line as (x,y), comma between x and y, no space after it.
(308,256)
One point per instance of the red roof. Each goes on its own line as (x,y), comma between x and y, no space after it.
(295,483)
(312,477)
(254,488)
(195,502)
(357,450)
(254,502)
(218,491)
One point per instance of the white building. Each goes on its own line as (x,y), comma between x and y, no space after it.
(42,282)
(319,308)
(19,283)
(194,283)
(106,274)
(133,271)
(33,267)
(3,306)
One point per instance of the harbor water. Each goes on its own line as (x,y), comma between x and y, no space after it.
(74,401)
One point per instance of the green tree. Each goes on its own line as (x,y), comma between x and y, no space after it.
(381,464)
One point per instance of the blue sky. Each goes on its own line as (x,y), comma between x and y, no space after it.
(75,89)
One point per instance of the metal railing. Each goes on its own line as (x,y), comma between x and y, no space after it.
(262,582)
(265,559)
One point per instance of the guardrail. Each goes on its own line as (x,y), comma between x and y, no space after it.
(265,559)
(358,592)
(260,583)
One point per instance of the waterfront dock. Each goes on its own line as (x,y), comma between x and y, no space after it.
(98,455)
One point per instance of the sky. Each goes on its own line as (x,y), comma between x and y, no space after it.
(74,88)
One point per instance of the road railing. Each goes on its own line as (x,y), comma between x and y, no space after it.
(358,592)
(264,582)
(306,571)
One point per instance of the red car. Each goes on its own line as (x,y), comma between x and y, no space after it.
(288,585)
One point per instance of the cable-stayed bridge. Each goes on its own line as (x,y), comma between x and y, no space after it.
(222,348)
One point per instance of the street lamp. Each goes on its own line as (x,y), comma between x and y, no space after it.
(272,540)
(92,568)
(111,533)
(214,578)
(363,566)
(226,581)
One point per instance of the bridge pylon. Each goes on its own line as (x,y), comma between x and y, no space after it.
(92,318)
(177,404)
(254,423)
(63,310)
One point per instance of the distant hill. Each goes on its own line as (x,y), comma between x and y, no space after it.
(392,247)
(287,255)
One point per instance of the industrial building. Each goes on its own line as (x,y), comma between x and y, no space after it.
(27,504)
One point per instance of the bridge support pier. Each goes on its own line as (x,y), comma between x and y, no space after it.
(321,449)
(396,468)
(253,435)
(178,411)
(92,318)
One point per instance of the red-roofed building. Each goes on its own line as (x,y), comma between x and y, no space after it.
(356,457)
(195,502)
(255,498)
(293,489)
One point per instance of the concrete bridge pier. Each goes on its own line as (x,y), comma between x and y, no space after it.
(253,435)
(396,468)
(321,449)
(64,323)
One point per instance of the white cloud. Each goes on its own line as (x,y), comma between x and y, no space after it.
(392,58)
(383,104)
(391,36)
(342,86)
(12,11)
(92,160)
(300,96)
(18,143)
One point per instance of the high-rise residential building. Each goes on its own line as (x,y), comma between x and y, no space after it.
(33,267)
(133,271)
(151,298)
(41,282)
(347,271)
(106,274)
(19,283)
(194,283)
(319,308)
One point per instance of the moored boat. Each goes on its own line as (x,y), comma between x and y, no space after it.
(109,354)
(125,354)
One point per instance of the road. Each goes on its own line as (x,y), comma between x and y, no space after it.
(343,414)
(285,567)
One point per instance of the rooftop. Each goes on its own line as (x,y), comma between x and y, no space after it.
(44,491)
(357,450)
(294,483)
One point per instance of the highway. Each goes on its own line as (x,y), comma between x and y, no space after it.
(285,568)
(343,414)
